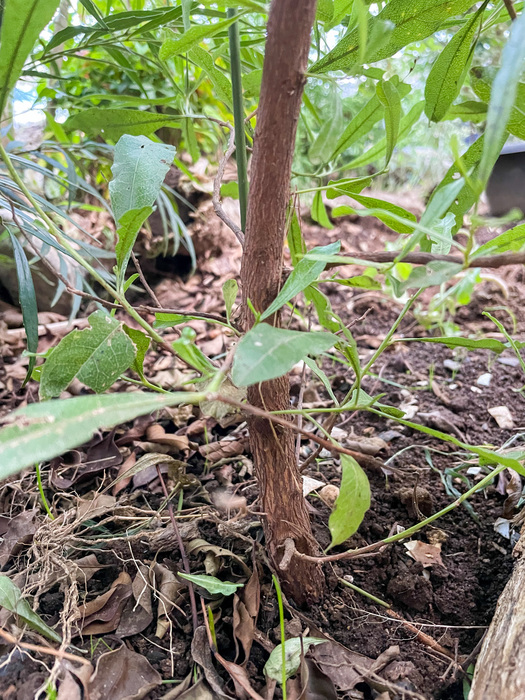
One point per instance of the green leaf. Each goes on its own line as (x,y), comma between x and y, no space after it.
(470,343)
(190,140)
(347,185)
(360,125)
(229,293)
(481,80)
(170,320)
(351,504)
(127,231)
(304,273)
(11,599)
(186,349)
(220,82)
(322,376)
(114,123)
(139,168)
(295,239)
(449,70)
(384,206)
(431,275)
(27,298)
(319,214)
(174,46)
(251,83)
(97,356)
(294,648)
(391,101)
(468,111)
(512,240)
(22,22)
(503,96)
(141,342)
(41,431)
(211,584)
(266,352)
(326,317)
(379,150)
(361,281)
(230,189)
(321,149)
(413,19)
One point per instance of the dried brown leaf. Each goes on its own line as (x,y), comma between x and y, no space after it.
(156,433)
(20,531)
(169,589)
(138,611)
(345,668)
(201,654)
(123,479)
(123,675)
(223,449)
(426,554)
(103,614)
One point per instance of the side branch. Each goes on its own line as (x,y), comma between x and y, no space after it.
(419,258)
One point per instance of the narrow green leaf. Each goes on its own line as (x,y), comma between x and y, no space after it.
(212,584)
(294,648)
(351,504)
(503,96)
(322,305)
(266,352)
(384,206)
(295,239)
(361,281)
(509,241)
(22,22)
(186,349)
(139,168)
(322,376)
(229,293)
(97,356)
(347,185)
(142,343)
(468,111)
(174,46)
(218,79)
(27,298)
(391,101)
(450,68)
(360,125)
(470,343)
(190,140)
(319,214)
(127,231)
(11,599)
(304,273)
(321,149)
(431,275)
(114,123)
(41,431)
(413,19)
(481,80)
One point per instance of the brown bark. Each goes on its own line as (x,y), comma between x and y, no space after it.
(500,669)
(287,46)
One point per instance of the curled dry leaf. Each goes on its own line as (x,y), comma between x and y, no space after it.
(513,490)
(166,539)
(201,653)
(199,691)
(123,478)
(169,592)
(20,531)
(245,611)
(103,614)
(100,504)
(223,449)
(426,554)
(102,455)
(138,611)
(156,433)
(366,445)
(345,668)
(123,675)
(310,485)
(240,679)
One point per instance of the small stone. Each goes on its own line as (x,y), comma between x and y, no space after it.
(476,390)
(452,365)
(324,454)
(328,494)
(509,361)
(502,416)
(484,379)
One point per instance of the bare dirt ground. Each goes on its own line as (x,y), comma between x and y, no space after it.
(104,571)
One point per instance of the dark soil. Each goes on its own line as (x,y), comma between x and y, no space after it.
(453,602)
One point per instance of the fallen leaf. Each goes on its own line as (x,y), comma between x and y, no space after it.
(20,531)
(366,445)
(345,668)
(310,485)
(123,675)
(138,611)
(426,554)
(295,648)
(245,611)
(169,592)
(103,614)
(102,455)
(201,654)
(100,504)
(223,449)
(502,416)
(156,433)
(123,478)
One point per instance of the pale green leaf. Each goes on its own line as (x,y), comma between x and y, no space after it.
(322,148)
(481,80)
(361,281)
(468,111)
(219,80)
(186,349)
(360,125)
(470,343)
(351,504)
(127,231)
(503,96)
(178,44)
(212,584)
(413,19)
(304,273)
(41,431)
(96,356)
(22,22)
(319,214)
(114,123)
(448,71)
(431,275)
(509,241)
(11,599)
(229,292)
(391,101)
(384,207)
(139,168)
(293,649)
(266,352)
(141,342)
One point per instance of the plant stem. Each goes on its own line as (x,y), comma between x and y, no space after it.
(41,490)
(238,115)
(364,593)
(283,632)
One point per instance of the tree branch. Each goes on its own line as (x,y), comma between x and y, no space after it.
(419,258)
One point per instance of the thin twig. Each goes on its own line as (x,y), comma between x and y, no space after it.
(181,312)
(182,550)
(144,280)
(216,199)
(510,9)
(419,258)
(43,650)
